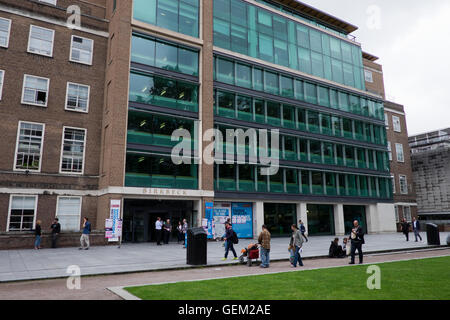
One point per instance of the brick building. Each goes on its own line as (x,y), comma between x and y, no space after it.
(90,113)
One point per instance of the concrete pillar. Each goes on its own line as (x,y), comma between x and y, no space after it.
(258,212)
(197,218)
(339,226)
(386,218)
(372,218)
(302,214)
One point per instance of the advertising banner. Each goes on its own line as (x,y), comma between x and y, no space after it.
(220,216)
(115,231)
(208,217)
(242,219)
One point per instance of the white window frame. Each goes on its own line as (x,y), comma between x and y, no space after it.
(88,98)
(92,51)
(399,146)
(9,32)
(62,152)
(407,217)
(390,150)
(2,80)
(386,120)
(23,91)
(17,147)
(368,78)
(79,213)
(393,183)
(52,2)
(396,124)
(36,198)
(400,183)
(29,41)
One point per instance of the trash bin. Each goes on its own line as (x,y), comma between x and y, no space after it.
(433,234)
(196,246)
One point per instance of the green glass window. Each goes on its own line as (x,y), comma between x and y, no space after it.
(265,22)
(337,127)
(280,28)
(349,80)
(222,8)
(271,82)
(306,182)
(227,177)
(243,75)
(292,185)
(287,87)
(352,185)
(325,124)
(340,155)
(260,111)
(188,18)
(145,11)
(247,178)
(338,75)
(262,181)
(276,182)
(188,61)
(258,82)
(328,153)
(238,13)
(346,52)
(330,184)
(273,113)
(335,47)
(313,122)
(302,36)
(342,185)
(167,14)
(354,104)
(265,47)
(290,148)
(288,117)
(344,103)
(225,72)
(304,60)
(327,68)
(244,108)
(222,33)
(359,130)
(301,118)
(317,182)
(324,96)
(143,50)
(166,56)
(281,53)
(315,40)
(315,151)
(326,44)
(226,104)
(361,158)
(303,145)
(299,90)
(311,92)
(239,39)
(350,156)
(317,64)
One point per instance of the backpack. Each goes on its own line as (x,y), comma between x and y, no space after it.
(234,237)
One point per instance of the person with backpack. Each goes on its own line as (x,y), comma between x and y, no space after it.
(230,240)
(303,230)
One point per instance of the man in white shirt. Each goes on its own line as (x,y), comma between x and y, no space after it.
(158,227)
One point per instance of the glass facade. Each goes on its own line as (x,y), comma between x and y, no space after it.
(287,86)
(320,219)
(290,180)
(180,16)
(279,217)
(247,29)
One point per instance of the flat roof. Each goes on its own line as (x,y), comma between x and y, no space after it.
(369,56)
(318,15)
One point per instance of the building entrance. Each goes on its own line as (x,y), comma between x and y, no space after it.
(352,213)
(139,217)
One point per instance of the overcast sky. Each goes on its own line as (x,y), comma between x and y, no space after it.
(412,39)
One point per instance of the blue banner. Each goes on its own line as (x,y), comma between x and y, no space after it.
(242,219)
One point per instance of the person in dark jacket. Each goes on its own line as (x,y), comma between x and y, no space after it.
(416,229)
(303,230)
(37,233)
(229,242)
(405,228)
(336,250)
(167,229)
(56,230)
(357,240)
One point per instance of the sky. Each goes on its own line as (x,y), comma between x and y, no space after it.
(412,40)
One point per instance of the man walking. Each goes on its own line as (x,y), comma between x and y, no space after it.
(158,230)
(416,229)
(296,243)
(303,229)
(56,230)
(85,234)
(230,236)
(167,231)
(185,227)
(264,242)
(357,240)
(405,228)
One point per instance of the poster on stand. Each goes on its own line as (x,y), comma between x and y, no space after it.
(220,216)
(242,219)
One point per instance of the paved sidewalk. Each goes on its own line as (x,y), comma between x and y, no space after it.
(95,288)
(52,263)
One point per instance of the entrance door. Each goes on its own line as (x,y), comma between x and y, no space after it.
(320,219)
(352,213)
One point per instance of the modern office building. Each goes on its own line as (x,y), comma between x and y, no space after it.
(90,113)
(431,169)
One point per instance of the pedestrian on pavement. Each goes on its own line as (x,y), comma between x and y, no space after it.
(303,229)
(405,228)
(296,243)
(357,240)
(167,231)
(230,239)
(416,229)
(264,242)
(56,230)
(85,234)
(158,230)
(180,235)
(185,227)
(38,234)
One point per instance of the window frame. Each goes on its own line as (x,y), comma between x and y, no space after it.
(396,121)
(92,51)
(398,153)
(79,213)
(62,152)
(389,146)
(17,147)
(88,97)
(409,216)
(29,42)
(50,2)
(9,32)
(400,183)
(366,77)
(2,80)
(23,92)
(35,196)
(393,184)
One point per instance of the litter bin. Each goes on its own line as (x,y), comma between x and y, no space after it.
(433,234)
(196,246)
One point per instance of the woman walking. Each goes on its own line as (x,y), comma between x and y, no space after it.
(38,233)
(296,244)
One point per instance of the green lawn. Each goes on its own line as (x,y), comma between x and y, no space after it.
(427,279)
